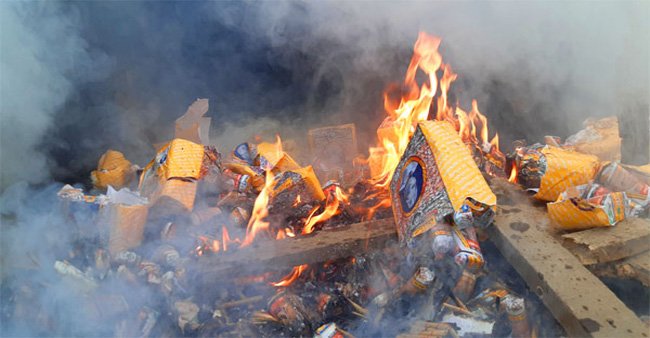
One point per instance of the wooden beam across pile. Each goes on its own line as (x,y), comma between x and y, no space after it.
(580,302)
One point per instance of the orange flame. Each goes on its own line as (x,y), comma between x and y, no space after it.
(297,201)
(225,238)
(331,210)
(256,224)
(397,128)
(513,174)
(290,278)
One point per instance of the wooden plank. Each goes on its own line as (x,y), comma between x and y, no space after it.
(582,304)
(636,267)
(602,245)
(322,246)
(640,264)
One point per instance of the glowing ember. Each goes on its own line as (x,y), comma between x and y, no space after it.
(290,278)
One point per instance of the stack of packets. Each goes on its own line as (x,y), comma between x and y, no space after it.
(599,137)
(438,190)
(121,215)
(583,191)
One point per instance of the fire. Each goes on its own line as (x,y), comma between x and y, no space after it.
(415,104)
(290,278)
(513,174)
(225,238)
(331,210)
(297,201)
(207,245)
(257,223)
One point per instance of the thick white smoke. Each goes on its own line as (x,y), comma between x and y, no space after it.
(561,62)
(42,60)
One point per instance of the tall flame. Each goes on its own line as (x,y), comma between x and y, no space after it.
(415,104)
(257,222)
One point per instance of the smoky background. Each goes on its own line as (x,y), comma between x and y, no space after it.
(77,78)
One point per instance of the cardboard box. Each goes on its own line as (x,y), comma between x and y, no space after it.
(193,126)
(434,178)
(333,147)
(173,172)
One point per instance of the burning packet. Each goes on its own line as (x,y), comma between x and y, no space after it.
(588,206)
(548,171)
(435,178)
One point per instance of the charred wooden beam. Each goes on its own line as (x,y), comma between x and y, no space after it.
(322,246)
(582,304)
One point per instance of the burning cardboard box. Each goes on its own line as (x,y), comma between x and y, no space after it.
(333,149)
(435,178)
(271,156)
(173,172)
(298,182)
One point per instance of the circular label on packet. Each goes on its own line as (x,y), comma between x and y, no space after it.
(411,184)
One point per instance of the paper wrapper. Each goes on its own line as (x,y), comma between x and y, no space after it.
(572,212)
(299,179)
(565,169)
(112,169)
(126,226)
(176,159)
(599,138)
(434,178)
(277,161)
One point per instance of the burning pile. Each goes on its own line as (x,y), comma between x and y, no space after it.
(192,203)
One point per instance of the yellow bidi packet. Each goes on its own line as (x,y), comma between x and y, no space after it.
(112,169)
(565,169)
(587,206)
(435,178)
(173,173)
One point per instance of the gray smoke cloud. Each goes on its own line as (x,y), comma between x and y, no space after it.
(535,67)
(77,78)
(73,85)
(42,62)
